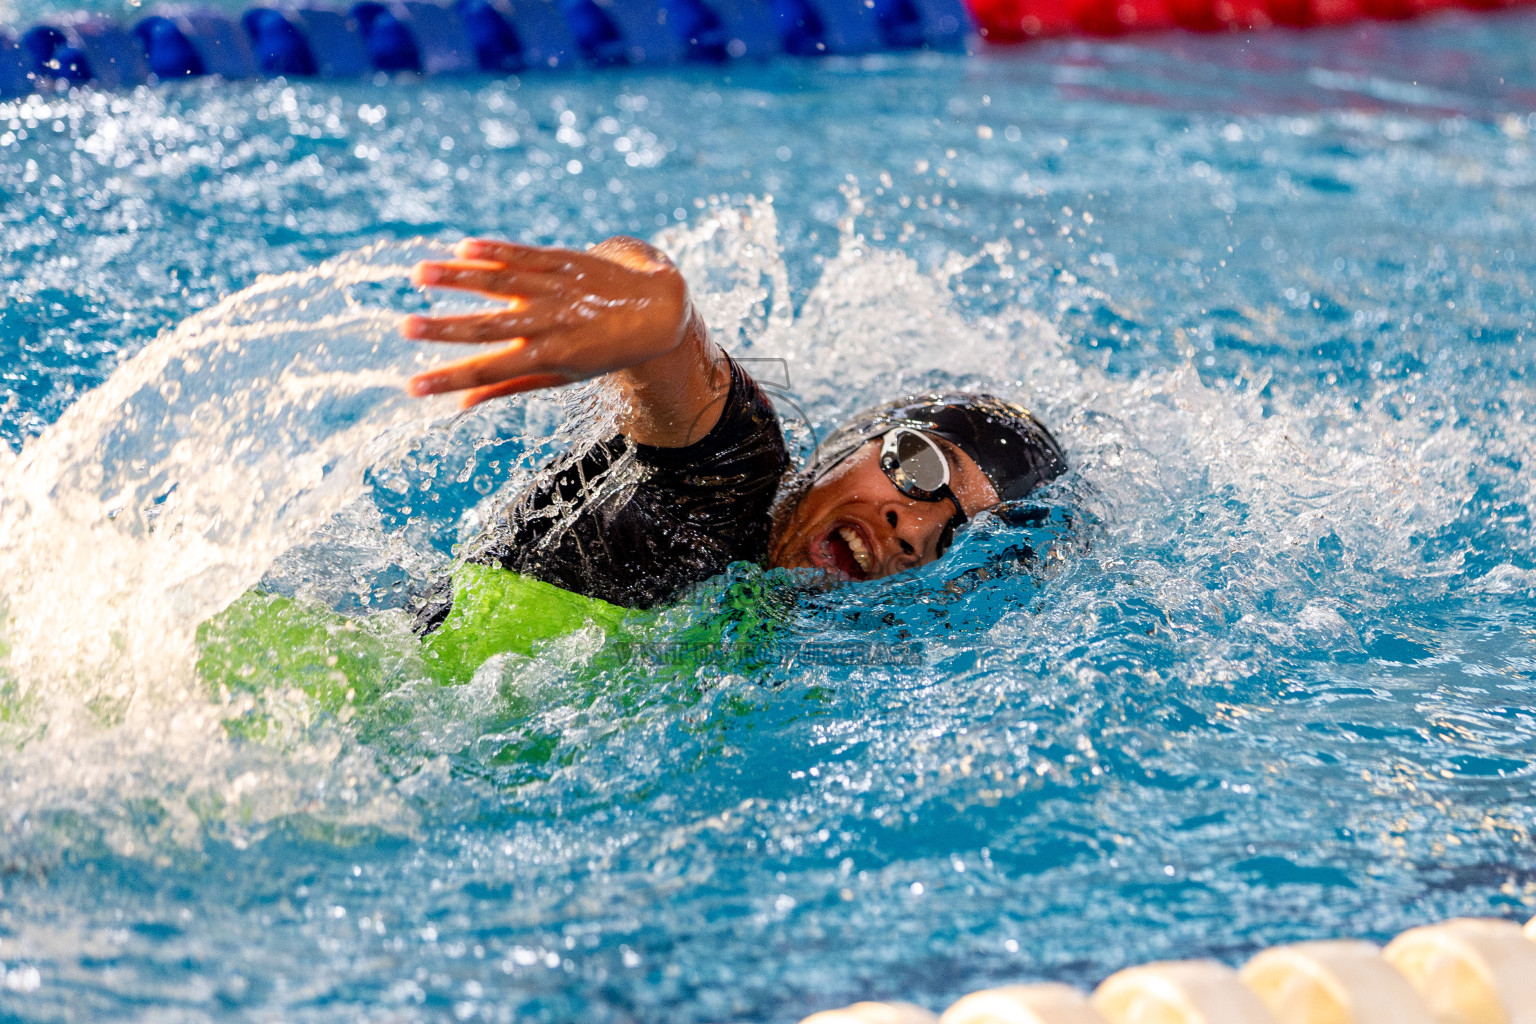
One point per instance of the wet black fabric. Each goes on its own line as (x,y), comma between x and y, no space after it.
(633,524)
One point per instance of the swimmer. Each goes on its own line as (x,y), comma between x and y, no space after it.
(698,476)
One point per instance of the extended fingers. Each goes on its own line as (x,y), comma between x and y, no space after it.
(522,257)
(488,277)
(498,367)
(499,325)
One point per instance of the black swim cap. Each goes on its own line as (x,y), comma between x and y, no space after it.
(1013,449)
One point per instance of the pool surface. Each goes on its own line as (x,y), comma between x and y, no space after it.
(1273,678)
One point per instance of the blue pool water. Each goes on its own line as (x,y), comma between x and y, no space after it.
(1279,683)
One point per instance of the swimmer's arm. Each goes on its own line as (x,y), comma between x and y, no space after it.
(621,309)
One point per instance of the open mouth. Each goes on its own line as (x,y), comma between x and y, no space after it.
(845,551)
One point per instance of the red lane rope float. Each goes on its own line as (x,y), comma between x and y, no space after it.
(1016,21)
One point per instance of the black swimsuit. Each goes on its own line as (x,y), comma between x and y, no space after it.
(634,524)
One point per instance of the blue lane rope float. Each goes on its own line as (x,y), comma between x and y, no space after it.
(466,36)
(391,45)
(498,45)
(281,47)
(169,52)
(452,37)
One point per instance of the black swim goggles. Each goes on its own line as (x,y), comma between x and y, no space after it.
(920,470)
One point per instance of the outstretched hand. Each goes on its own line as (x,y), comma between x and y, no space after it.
(569,316)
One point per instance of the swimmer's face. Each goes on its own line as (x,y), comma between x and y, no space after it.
(853,524)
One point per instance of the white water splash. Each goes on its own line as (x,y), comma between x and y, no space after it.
(874,326)
(162,496)
(1321,467)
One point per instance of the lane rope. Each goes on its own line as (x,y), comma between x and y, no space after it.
(455,37)
(1470,970)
